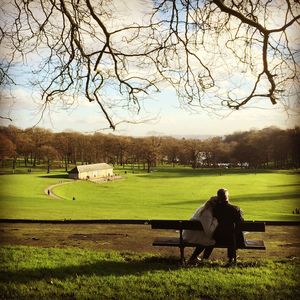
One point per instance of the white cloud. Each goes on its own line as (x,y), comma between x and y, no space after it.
(169,119)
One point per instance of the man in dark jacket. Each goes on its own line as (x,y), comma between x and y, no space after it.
(229,217)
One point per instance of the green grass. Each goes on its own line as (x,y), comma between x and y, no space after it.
(22,195)
(166,193)
(40,273)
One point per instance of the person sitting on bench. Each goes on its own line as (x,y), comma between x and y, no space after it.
(228,217)
(204,237)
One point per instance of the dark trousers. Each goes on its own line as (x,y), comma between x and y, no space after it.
(231,253)
(228,237)
(207,252)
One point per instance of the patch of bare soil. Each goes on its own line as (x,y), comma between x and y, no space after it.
(280,241)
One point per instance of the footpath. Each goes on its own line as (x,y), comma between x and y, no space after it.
(49,190)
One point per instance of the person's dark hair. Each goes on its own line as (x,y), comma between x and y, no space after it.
(223,195)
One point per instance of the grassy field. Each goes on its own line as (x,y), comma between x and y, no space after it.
(49,273)
(29,272)
(165,193)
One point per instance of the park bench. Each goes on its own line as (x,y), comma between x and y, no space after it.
(180,225)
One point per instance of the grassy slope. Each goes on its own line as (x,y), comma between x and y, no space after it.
(167,193)
(22,195)
(40,273)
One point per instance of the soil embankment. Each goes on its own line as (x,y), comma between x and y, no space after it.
(281,241)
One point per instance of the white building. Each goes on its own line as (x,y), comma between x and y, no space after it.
(91,171)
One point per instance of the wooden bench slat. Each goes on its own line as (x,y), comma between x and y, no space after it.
(176,224)
(167,241)
(171,242)
(253,226)
(175,242)
(255,245)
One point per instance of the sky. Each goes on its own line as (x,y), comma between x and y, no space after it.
(161,113)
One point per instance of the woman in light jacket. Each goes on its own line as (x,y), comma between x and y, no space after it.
(204,237)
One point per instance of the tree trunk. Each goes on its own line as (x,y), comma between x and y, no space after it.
(148,166)
(14,164)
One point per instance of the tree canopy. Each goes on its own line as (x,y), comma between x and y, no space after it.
(216,54)
(267,148)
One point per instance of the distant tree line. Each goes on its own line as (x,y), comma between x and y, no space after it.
(267,148)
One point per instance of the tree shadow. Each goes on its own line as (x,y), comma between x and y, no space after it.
(61,176)
(98,268)
(268,196)
(244,198)
(287,185)
(189,172)
(179,203)
(111,268)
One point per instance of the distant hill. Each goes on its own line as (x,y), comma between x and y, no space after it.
(181,136)
(195,136)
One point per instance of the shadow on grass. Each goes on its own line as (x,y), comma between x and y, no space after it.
(268,197)
(287,185)
(62,176)
(245,198)
(107,268)
(189,172)
(99,268)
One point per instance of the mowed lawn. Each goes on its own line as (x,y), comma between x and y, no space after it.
(165,193)
(50,273)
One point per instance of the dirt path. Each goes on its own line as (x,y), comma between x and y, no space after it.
(49,190)
(281,241)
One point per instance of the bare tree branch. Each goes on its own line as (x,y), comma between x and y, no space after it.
(215,54)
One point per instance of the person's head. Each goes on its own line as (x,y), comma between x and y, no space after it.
(211,203)
(223,195)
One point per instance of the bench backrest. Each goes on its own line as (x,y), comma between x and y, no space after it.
(254,226)
(176,224)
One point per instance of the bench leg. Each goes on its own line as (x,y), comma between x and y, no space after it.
(234,256)
(182,260)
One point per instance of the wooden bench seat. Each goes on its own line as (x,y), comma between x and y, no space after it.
(180,225)
(175,242)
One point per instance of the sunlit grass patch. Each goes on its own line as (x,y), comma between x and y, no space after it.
(167,193)
(29,272)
